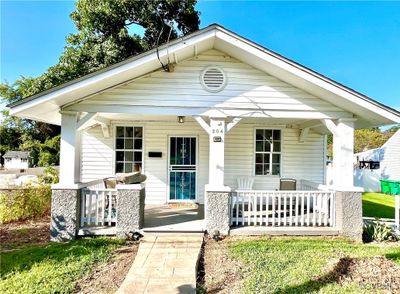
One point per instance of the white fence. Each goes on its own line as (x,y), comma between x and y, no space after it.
(98,207)
(397,212)
(283,208)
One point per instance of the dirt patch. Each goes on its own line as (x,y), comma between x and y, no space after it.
(373,272)
(106,278)
(29,232)
(217,272)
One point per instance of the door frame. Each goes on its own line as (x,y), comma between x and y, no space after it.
(195,200)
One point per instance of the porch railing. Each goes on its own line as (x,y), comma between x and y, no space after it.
(283,208)
(397,213)
(98,207)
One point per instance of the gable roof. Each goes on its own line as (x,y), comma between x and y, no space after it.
(45,106)
(16,154)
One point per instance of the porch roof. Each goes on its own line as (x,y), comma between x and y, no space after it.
(45,106)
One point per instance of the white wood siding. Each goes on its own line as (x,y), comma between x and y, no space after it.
(98,155)
(390,164)
(299,160)
(247,91)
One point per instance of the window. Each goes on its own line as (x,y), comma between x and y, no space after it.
(128,149)
(268,152)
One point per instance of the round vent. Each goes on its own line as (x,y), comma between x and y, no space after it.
(213,79)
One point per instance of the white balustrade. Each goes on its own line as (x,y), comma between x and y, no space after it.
(397,213)
(98,207)
(283,208)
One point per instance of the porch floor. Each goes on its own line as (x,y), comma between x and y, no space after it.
(161,218)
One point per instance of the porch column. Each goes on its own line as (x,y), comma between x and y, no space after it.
(69,155)
(66,194)
(343,149)
(217,153)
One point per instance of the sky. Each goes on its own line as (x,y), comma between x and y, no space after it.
(354,43)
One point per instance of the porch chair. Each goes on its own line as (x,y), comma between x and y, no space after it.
(287,184)
(245,183)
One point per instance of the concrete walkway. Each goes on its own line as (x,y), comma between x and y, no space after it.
(165,263)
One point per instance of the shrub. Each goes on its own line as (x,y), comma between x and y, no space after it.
(21,204)
(378,231)
(50,176)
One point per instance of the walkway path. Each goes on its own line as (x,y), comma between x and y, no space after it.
(165,263)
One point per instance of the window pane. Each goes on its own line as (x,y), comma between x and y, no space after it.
(119,168)
(128,143)
(277,146)
(138,166)
(259,158)
(259,146)
(120,132)
(276,158)
(120,144)
(128,167)
(266,169)
(138,132)
(138,156)
(267,146)
(259,169)
(193,151)
(128,156)
(259,135)
(138,144)
(266,158)
(129,132)
(268,134)
(275,169)
(119,156)
(277,135)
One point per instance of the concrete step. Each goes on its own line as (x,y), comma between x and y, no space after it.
(172,234)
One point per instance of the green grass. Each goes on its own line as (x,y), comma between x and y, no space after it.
(299,265)
(53,268)
(378,205)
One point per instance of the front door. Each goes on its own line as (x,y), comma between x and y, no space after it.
(182,168)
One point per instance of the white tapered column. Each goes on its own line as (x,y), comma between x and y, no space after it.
(217,153)
(69,155)
(343,150)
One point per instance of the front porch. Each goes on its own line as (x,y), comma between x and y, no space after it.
(311,209)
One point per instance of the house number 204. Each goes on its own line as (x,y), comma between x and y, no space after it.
(217,131)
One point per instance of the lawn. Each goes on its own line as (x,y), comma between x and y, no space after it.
(53,268)
(378,205)
(308,265)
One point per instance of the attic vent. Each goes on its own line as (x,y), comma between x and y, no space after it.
(213,79)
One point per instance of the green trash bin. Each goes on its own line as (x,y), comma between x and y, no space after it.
(385,186)
(394,187)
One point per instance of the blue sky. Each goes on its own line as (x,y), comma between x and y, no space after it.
(355,43)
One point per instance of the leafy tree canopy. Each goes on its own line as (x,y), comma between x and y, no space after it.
(102,39)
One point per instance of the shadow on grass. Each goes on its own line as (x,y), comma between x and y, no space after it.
(340,270)
(395,256)
(374,209)
(23,259)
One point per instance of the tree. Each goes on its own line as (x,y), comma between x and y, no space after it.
(102,39)
(365,139)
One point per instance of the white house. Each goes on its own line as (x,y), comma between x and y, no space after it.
(221,108)
(16,159)
(387,161)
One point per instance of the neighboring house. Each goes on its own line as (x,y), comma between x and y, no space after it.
(16,159)
(380,163)
(221,109)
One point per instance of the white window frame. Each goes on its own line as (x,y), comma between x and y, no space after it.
(114,157)
(271,152)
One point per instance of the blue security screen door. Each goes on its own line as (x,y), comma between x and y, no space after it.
(182,168)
